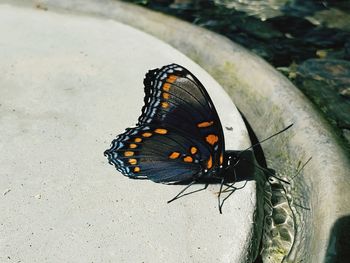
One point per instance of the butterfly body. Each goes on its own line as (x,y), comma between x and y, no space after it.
(178,137)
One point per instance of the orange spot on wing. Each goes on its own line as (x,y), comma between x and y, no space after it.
(193,150)
(132,145)
(210,162)
(166,95)
(166,87)
(174,155)
(188,159)
(128,153)
(221,159)
(161,131)
(132,161)
(147,134)
(137,169)
(212,139)
(171,79)
(165,105)
(138,140)
(205,124)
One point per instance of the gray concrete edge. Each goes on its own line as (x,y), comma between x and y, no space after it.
(269,106)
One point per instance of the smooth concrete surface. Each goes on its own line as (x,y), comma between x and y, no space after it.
(270,102)
(69,84)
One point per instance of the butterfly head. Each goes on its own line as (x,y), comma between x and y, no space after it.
(238,165)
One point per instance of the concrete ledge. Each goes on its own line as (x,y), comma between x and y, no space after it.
(70,84)
(269,101)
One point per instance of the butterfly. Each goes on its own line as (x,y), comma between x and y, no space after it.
(178,137)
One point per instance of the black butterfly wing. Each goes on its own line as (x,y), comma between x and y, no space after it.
(154,153)
(176,98)
(178,136)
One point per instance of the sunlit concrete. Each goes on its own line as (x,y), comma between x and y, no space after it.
(69,84)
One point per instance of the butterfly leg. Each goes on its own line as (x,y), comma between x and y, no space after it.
(231,185)
(221,203)
(219,195)
(181,193)
(228,186)
(232,191)
(223,200)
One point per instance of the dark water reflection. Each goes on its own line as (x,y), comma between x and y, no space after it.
(338,248)
(297,37)
(308,41)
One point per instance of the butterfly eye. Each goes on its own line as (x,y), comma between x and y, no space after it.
(235,160)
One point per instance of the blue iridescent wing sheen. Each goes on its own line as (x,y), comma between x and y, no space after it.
(178,136)
(175,97)
(138,157)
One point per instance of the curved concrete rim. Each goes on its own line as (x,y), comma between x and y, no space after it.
(49,111)
(269,101)
(64,99)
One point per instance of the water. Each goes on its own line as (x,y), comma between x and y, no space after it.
(288,34)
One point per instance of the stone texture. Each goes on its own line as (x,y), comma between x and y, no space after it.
(71,83)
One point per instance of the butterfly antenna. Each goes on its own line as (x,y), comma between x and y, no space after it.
(302,168)
(260,142)
(271,174)
(267,171)
(298,172)
(303,207)
(268,138)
